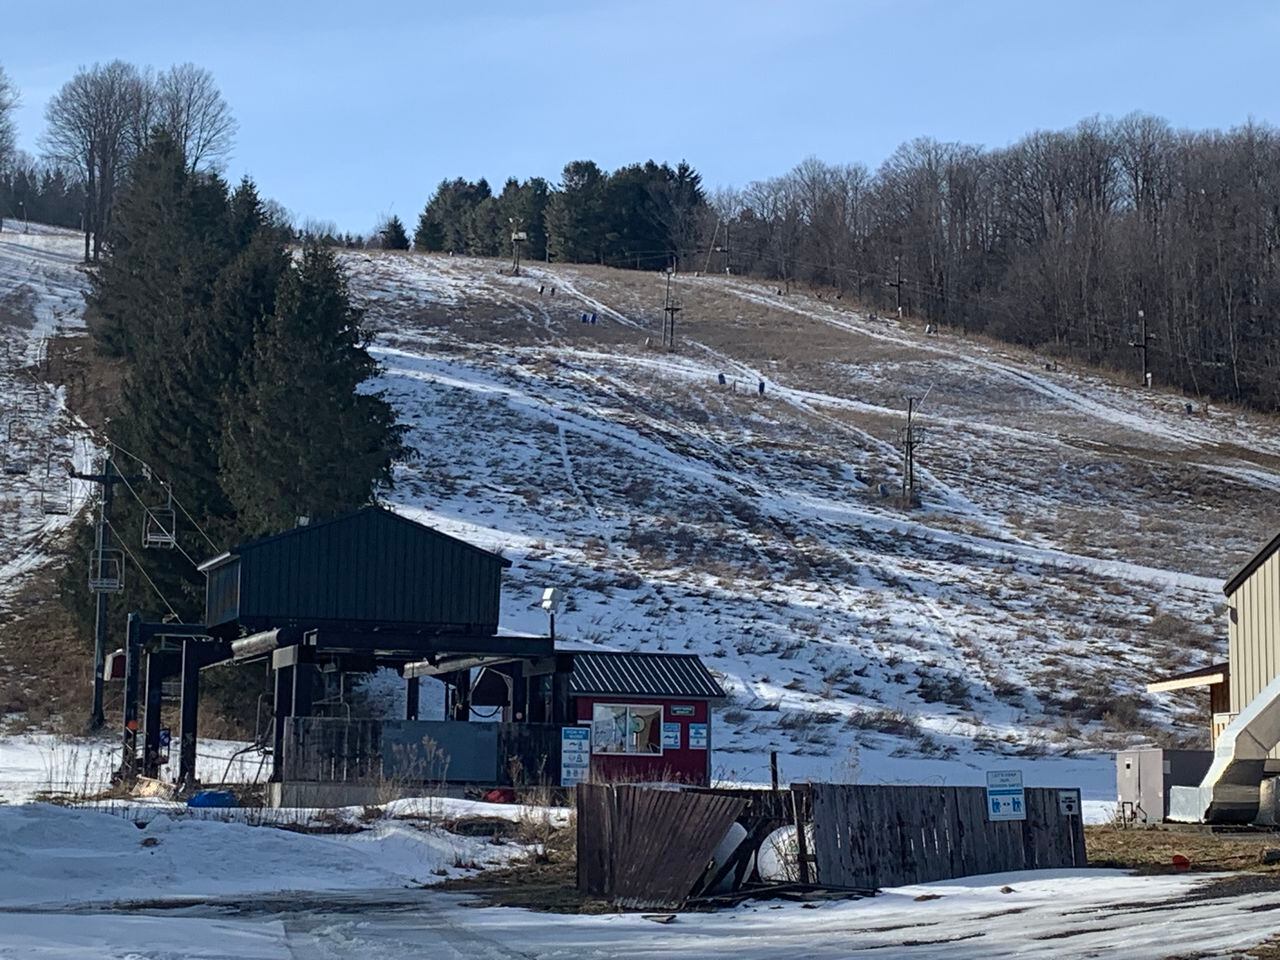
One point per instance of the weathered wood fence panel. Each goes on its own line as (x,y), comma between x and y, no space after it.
(867,837)
(646,848)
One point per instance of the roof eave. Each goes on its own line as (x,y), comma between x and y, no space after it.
(1250,568)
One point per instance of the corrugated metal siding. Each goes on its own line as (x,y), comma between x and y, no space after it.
(1254,635)
(370,567)
(641,675)
(222,594)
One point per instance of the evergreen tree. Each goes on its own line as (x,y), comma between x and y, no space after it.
(575,216)
(429,235)
(392,235)
(302,439)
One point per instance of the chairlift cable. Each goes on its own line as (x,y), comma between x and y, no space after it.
(185,512)
(142,570)
(150,513)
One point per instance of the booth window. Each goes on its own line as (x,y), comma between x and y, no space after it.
(626,728)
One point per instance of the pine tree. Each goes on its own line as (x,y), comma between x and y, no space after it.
(392,235)
(303,439)
(575,216)
(429,235)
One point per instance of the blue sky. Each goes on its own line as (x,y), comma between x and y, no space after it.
(351,110)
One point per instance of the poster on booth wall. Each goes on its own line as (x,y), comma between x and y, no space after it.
(697,736)
(575,755)
(671,736)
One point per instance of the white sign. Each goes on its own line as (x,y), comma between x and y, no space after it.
(575,755)
(1005,797)
(671,736)
(1069,803)
(697,736)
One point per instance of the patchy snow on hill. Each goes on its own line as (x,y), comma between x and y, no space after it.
(41,296)
(1070,543)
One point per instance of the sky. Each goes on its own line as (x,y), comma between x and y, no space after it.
(351,111)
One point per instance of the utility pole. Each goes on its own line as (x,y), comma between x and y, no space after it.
(669,310)
(910,438)
(1142,344)
(106,576)
(897,284)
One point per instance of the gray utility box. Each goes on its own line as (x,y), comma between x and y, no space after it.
(1143,779)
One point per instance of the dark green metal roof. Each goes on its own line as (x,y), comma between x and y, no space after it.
(369,567)
(642,675)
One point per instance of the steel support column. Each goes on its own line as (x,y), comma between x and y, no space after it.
(151,717)
(283,710)
(192,661)
(412,697)
(132,668)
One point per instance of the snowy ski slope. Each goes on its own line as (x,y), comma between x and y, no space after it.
(41,296)
(1072,539)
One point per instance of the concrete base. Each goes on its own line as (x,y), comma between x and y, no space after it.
(306,793)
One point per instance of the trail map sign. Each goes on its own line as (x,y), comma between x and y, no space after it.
(575,755)
(671,736)
(697,736)
(1005,797)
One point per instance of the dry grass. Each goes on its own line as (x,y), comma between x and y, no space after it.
(1153,850)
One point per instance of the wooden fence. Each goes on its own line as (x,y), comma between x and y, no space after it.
(867,837)
(647,848)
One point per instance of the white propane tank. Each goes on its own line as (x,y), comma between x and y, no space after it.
(779,859)
(724,850)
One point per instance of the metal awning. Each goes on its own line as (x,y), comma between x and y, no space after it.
(680,675)
(1204,677)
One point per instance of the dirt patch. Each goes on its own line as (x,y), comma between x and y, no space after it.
(1152,851)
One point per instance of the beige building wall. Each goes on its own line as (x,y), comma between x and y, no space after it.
(1253,632)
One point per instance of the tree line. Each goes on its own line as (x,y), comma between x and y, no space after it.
(1077,242)
(96,124)
(641,215)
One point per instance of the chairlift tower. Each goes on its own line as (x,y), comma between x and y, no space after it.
(106,576)
(518,237)
(1142,344)
(670,308)
(909,438)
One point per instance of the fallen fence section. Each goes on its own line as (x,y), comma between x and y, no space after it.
(645,848)
(889,836)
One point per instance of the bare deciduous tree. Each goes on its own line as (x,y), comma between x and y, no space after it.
(93,129)
(190,107)
(8,103)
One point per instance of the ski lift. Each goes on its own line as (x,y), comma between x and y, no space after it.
(160,526)
(55,498)
(16,463)
(106,570)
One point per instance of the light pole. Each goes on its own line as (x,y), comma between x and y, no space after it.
(517,237)
(552,598)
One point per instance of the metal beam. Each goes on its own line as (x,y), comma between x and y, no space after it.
(256,645)
(392,646)
(442,665)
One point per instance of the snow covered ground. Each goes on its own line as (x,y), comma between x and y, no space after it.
(89,885)
(41,296)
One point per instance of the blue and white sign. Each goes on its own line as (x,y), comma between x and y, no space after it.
(697,736)
(575,755)
(1006,799)
(671,736)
